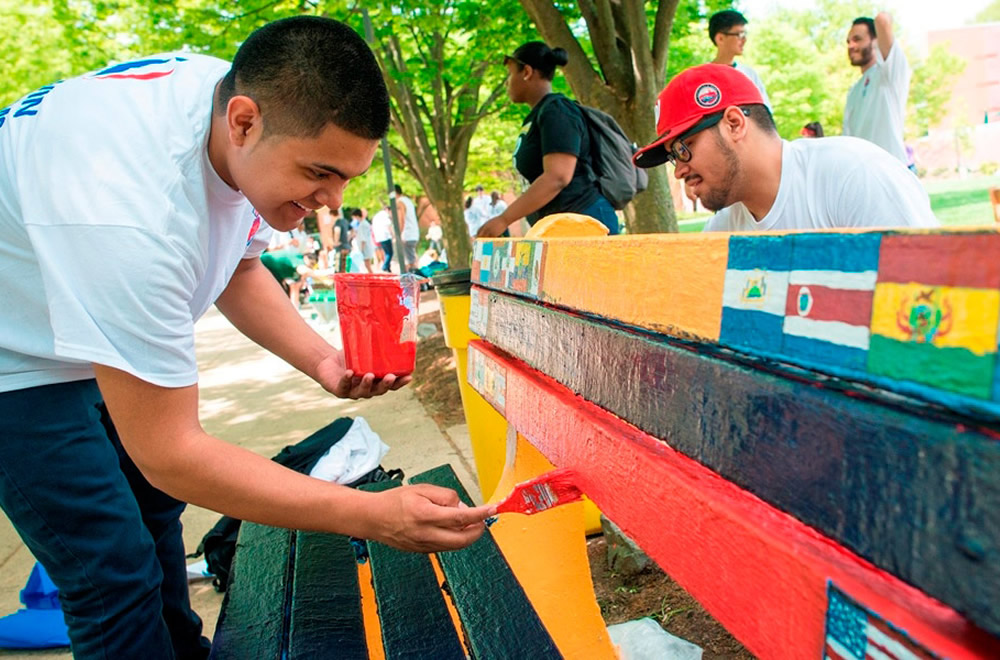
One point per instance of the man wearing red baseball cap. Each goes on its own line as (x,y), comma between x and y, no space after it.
(714,128)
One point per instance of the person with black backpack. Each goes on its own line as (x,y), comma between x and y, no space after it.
(556,150)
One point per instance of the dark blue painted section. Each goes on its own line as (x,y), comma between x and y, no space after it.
(326,600)
(498,619)
(917,496)
(764,252)
(847,253)
(411,607)
(819,352)
(756,330)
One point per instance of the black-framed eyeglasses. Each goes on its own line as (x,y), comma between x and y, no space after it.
(742,34)
(679,152)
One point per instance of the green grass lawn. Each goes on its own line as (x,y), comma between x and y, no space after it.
(955,202)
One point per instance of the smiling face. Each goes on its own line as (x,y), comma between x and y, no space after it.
(713,170)
(859,45)
(285,177)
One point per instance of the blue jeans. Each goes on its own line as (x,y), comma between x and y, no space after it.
(387,248)
(110,541)
(603,211)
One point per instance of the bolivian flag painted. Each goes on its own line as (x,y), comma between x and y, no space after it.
(936,311)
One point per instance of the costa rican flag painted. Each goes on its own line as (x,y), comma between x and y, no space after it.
(856,633)
(828,310)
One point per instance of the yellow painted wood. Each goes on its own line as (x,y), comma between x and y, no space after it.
(369,610)
(664,283)
(548,553)
(559,225)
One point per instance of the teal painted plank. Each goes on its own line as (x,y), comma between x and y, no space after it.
(326,600)
(414,616)
(252,622)
(498,619)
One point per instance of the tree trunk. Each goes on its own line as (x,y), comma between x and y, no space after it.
(651,211)
(447,201)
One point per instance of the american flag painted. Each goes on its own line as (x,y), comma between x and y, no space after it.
(856,633)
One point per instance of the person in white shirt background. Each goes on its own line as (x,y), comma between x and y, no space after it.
(410,231)
(382,234)
(728,31)
(876,103)
(713,125)
(362,244)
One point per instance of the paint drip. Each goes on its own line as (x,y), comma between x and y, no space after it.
(378,322)
(543,492)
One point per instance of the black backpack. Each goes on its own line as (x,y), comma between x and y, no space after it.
(219,544)
(611,157)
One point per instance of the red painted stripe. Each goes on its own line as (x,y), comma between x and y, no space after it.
(759,571)
(898,637)
(845,305)
(970,260)
(830,653)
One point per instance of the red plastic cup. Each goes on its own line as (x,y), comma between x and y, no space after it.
(378,322)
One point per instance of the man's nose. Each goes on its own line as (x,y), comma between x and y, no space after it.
(680,170)
(331,195)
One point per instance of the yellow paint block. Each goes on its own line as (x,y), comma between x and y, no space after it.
(548,554)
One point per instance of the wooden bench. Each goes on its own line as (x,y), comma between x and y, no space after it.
(803,429)
(299,595)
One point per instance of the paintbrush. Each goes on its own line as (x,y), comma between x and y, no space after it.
(541,493)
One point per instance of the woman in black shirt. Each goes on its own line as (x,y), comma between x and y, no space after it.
(553,150)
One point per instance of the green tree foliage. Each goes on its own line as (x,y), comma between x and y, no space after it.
(930,89)
(989,14)
(442,64)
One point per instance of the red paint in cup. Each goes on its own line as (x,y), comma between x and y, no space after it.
(378,322)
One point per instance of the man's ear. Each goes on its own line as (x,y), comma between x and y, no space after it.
(735,122)
(243,119)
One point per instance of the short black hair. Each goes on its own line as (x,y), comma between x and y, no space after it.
(307,72)
(540,57)
(357,213)
(815,127)
(864,20)
(760,115)
(723,20)
(399,191)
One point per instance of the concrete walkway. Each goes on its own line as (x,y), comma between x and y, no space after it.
(253,399)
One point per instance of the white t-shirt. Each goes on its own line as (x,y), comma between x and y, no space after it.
(474,220)
(116,233)
(382,226)
(496,209)
(411,230)
(482,204)
(876,104)
(755,79)
(836,182)
(363,243)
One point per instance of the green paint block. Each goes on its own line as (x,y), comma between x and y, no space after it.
(946,368)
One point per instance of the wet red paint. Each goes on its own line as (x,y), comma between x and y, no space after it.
(378,322)
(543,492)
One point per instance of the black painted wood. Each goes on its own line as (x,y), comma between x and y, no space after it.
(252,622)
(326,600)
(498,619)
(414,616)
(918,497)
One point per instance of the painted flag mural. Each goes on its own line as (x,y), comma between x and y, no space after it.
(828,310)
(755,292)
(856,633)
(936,311)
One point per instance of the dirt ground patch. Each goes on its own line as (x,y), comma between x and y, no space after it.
(621,598)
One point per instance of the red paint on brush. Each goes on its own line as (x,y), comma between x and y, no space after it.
(541,493)
(378,322)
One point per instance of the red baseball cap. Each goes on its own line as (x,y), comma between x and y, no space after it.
(692,94)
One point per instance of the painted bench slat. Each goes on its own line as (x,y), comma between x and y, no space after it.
(761,572)
(916,496)
(326,599)
(498,619)
(252,622)
(412,610)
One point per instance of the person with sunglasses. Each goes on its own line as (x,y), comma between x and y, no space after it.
(715,130)
(728,31)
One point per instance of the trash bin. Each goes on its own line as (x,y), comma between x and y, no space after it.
(487,427)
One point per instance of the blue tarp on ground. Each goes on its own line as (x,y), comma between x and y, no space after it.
(40,624)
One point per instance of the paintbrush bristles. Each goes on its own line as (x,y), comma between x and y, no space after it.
(541,493)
